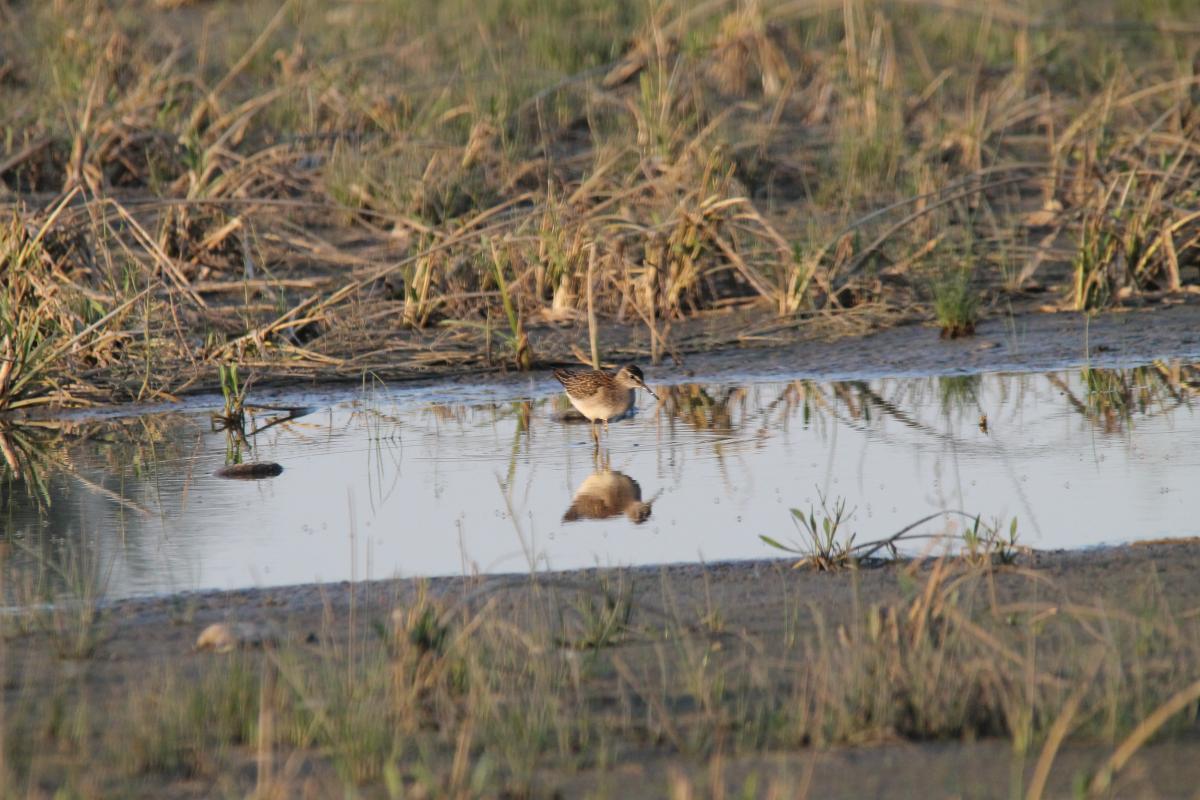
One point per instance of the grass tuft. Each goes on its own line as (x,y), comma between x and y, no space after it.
(955,302)
(825,546)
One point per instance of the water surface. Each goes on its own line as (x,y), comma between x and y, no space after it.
(392,483)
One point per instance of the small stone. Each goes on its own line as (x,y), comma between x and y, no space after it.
(225,637)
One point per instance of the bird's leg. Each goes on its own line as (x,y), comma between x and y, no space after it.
(595,433)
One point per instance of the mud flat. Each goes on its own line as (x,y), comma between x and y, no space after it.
(709,349)
(948,677)
(1029,342)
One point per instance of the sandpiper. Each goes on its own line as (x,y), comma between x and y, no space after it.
(601,396)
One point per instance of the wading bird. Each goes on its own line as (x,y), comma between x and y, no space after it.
(600,396)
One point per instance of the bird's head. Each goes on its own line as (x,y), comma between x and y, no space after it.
(631,377)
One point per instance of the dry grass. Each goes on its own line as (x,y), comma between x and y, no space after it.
(312,189)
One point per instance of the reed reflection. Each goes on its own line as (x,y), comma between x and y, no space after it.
(703,408)
(42,459)
(1110,399)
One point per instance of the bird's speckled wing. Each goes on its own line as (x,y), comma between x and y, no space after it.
(579,385)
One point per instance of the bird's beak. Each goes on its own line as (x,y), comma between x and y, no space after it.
(651,391)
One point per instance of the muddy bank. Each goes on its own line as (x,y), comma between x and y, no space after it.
(1024,342)
(1028,342)
(692,688)
(1101,572)
(864,348)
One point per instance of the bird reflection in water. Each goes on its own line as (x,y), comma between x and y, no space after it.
(607,493)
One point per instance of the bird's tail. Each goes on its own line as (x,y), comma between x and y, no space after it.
(562,376)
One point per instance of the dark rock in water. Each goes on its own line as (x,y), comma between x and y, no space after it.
(250,472)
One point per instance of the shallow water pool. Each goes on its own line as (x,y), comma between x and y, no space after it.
(392,483)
